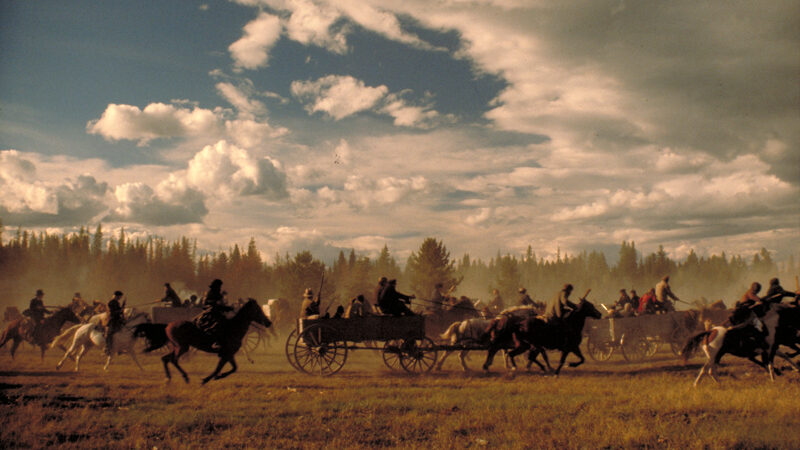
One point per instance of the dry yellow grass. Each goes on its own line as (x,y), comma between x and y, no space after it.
(269,405)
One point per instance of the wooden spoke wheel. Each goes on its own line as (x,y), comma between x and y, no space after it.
(252,339)
(678,338)
(391,354)
(417,355)
(599,349)
(634,347)
(291,341)
(320,350)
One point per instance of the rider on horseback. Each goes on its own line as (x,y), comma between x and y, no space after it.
(116,319)
(213,315)
(560,306)
(36,311)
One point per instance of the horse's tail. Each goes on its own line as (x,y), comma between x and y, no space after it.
(692,344)
(68,334)
(451,332)
(154,333)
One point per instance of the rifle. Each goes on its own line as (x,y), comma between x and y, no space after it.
(586,295)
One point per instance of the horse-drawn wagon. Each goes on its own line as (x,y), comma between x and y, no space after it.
(320,346)
(639,337)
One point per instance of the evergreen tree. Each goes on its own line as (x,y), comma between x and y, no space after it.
(430,265)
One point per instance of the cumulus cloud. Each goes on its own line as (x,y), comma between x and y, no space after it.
(27,200)
(365,192)
(156,120)
(247,106)
(251,51)
(340,96)
(227,170)
(337,96)
(172,203)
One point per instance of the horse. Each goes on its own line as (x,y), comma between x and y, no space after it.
(183,334)
(154,333)
(538,335)
(437,321)
(470,332)
(90,335)
(42,335)
(64,340)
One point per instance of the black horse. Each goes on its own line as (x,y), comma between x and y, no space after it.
(538,335)
(41,335)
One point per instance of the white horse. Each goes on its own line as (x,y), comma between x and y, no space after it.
(467,333)
(471,333)
(90,335)
(64,339)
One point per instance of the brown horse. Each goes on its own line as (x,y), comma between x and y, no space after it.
(537,335)
(46,332)
(185,334)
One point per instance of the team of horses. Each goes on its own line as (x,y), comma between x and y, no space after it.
(461,328)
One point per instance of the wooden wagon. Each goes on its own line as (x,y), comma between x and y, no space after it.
(639,337)
(320,346)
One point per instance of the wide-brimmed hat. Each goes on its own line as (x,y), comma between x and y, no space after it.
(118,294)
(308,293)
(216,283)
(522,290)
(39,292)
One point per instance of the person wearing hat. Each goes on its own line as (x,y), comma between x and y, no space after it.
(382,281)
(358,307)
(635,300)
(560,305)
(116,319)
(438,300)
(213,315)
(524,298)
(310,306)
(776,293)
(623,307)
(496,304)
(393,302)
(171,296)
(36,311)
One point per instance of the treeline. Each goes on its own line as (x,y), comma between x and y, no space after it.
(96,265)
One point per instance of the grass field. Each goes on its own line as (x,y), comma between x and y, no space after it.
(269,405)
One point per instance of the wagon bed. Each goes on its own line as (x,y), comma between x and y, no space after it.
(320,346)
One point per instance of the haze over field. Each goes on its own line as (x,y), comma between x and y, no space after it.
(326,125)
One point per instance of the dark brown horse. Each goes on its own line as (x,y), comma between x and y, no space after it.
(538,335)
(185,334)
(41,336)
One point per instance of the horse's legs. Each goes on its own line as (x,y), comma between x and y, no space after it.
(702,371)
(577,352)
(83,350)
(462,356)
(216,371)
(15,346)
(441,360)
(132,352)
(233,369)
(532,358)
(67,354)
(490,357)
(561,363)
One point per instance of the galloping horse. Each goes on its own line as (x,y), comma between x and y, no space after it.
(45,333)
(437,321)
(183,334)
(470,332)
(89,335)
(537,335)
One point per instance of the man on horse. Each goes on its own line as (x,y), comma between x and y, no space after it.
(438,300)
(496,304)
(36,311)
(560,306)
(776,293)
(116,318)
(524,298)
(214,309)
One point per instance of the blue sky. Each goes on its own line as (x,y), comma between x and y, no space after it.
(326,125)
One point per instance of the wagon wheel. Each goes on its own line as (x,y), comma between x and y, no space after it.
(391,354)
(291,340)
(634,347)
(599,350)
(252,339)
(652,347)
(320,350)
(417,355)
(678,338)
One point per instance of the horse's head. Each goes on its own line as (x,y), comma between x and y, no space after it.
(587,309)
(255,312)
(66,314)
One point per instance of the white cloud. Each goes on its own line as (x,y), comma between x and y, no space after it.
(338,96)
(173,203)
(365,192)
(227,170)
(252,50)
(313,24)
(248,107)
(156,120)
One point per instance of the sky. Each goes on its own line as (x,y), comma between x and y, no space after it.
(490,125)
